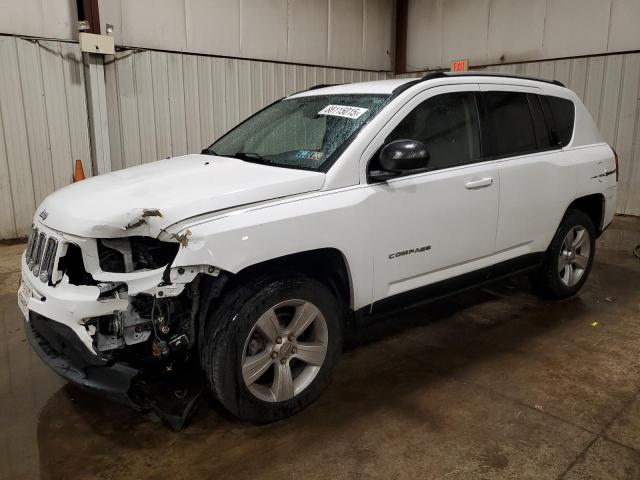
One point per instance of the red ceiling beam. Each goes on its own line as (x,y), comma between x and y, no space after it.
(402,14)
(88,10)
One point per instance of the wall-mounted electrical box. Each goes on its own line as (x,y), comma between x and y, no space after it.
(92,43)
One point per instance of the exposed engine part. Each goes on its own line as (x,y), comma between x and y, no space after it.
(151,328)
(178,342)
(111,289)
(115,254)
(159,348)
(123,255)
(188,273)
(136,328)
(109,333)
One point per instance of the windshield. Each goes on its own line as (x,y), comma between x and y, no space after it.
(302,132)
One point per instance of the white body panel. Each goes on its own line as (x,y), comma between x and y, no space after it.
(145,199)
(230,214)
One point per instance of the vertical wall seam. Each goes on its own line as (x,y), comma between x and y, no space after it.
(6,156)
(237,75)
(119,105)
(488,26)
(186,26)
(329,27)
(364,17)
(66,104)
(184,97)
(628,208)
(46,113)
(169,99)
(225,106)
(571,70)
(288,17)
(616,128)
(609,25)
(441,8)
(586,79)
(135,91)
(211,111)
(86,108)
(544,26)
(261,86)
(604,82)
(26,127)
(153,103)
(239,32)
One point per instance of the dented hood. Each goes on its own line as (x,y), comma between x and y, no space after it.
(146,199)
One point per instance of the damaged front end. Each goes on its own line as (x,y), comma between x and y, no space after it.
(114,315)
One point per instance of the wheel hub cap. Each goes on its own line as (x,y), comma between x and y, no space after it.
(285,350)
(574,256)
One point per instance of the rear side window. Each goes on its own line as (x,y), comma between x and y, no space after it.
(560,114)
(508,124)
(448,125)
(543,136)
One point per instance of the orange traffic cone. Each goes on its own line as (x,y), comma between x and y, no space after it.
(79,173)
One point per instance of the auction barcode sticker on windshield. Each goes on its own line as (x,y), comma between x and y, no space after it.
(342,111)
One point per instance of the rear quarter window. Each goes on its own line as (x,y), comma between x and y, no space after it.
(508,122)
(560,114)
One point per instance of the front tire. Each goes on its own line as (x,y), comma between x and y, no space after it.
(271,345)
(568,260)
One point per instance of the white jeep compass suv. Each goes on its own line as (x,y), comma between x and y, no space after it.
(250,262)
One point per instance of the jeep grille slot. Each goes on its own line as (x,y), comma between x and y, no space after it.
(37,256)
(41,254)
(32,236)
(48,259)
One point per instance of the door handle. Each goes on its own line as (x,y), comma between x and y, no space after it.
(481,183)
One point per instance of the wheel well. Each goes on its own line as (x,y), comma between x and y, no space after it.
(592,205)
(327,265)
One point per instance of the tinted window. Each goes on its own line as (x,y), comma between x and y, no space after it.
(543,137)
(448,125)
(508,123)
(560,115)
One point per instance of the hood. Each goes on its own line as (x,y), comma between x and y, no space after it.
(146,199)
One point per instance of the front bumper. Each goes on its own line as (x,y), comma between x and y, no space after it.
(56,327)
(59,347)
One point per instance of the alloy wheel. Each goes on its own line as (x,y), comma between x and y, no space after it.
(284,350)
(574,255)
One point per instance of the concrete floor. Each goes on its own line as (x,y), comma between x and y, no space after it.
(494,384)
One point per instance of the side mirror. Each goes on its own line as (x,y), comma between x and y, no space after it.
(403,156)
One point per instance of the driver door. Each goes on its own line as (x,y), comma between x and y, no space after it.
(439,223)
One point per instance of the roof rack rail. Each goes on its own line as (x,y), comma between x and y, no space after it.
(323,85)
(472,73)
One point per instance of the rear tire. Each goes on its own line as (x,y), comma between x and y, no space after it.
(271,345)
(568,260)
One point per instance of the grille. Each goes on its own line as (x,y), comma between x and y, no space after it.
(41,254)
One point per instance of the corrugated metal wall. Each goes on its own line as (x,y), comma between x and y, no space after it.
(507,31)
(165,104)
(337,33)
(609,86)
(43,125)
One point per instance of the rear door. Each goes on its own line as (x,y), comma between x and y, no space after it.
(535,176)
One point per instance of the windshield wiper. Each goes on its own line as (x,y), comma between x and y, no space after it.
(252,157)
(206,151)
